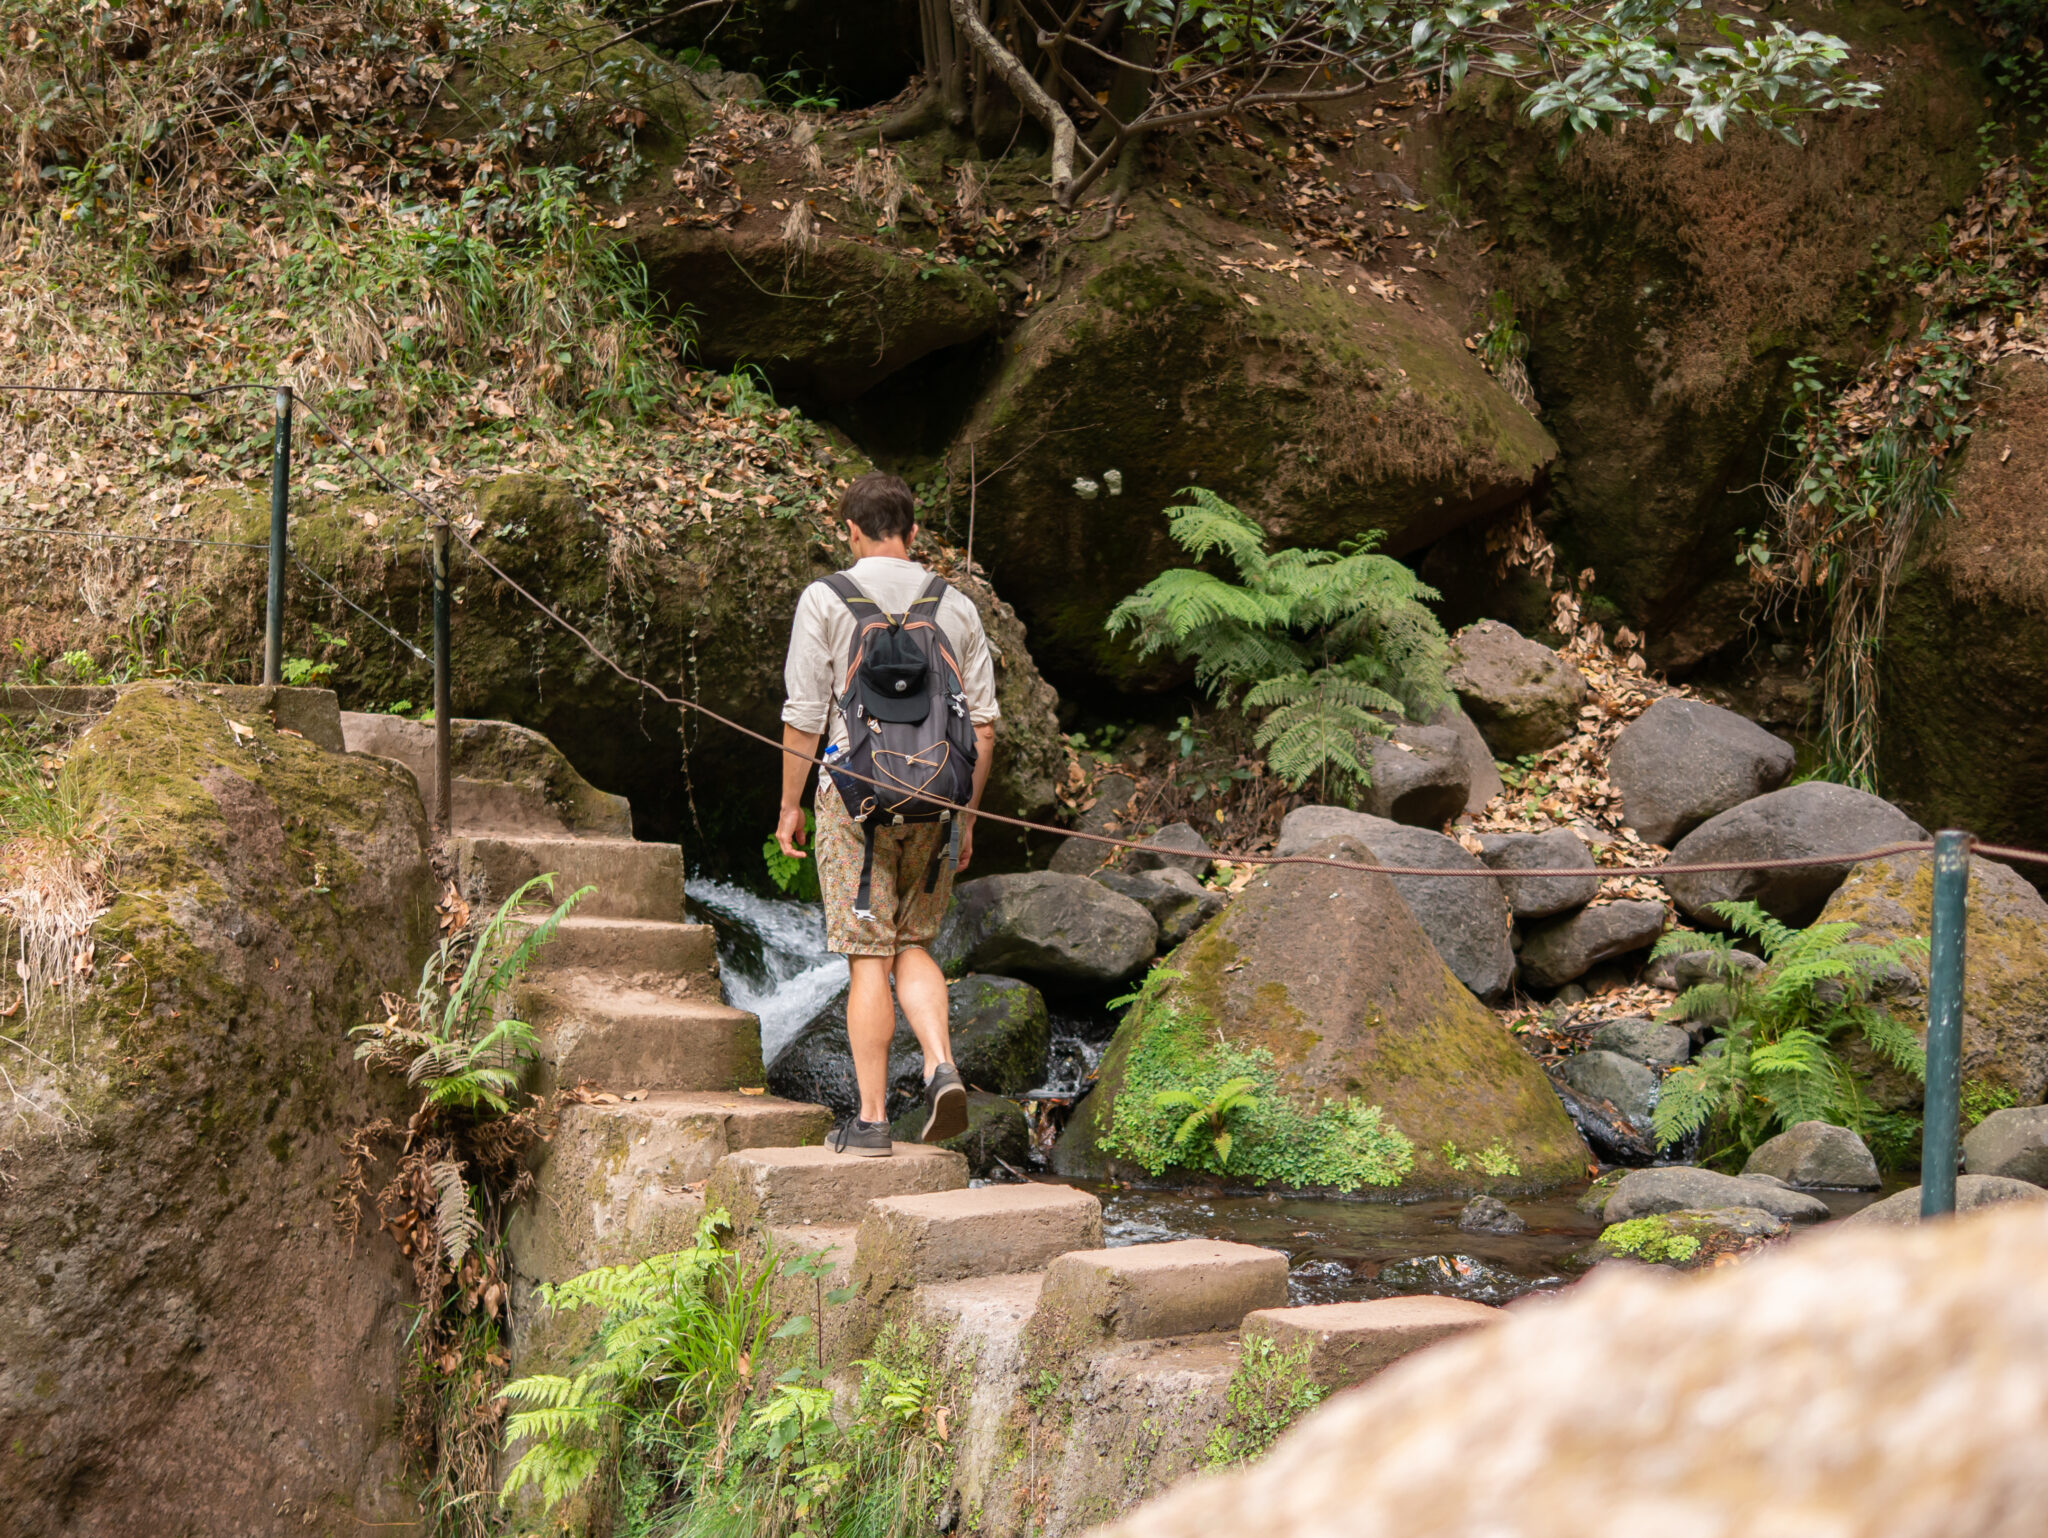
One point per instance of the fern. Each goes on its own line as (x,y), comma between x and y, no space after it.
(455,1219)
(1780,1059)
(1327,644)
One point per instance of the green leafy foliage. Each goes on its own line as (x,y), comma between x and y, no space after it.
(1325,645)
(1650,1239)
(1178,1062)
(1270,1390)
(1495,1159)
(1779,1056)
(797,877)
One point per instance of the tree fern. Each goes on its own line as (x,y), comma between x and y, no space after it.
(1325,643)
(1778,1061)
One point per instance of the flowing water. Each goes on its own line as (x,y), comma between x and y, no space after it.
(772,954)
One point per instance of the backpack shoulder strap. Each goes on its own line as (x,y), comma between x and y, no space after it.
(850,593)
(934,594)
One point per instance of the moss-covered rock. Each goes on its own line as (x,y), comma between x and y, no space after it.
(2005,972)
(1964,666)
(1686,1240)
(1664,288)
(847,316)
(1370,1066)
(188,1331)
(1317,406)
(997,1134)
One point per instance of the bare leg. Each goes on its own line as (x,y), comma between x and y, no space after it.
(870,1025)
(921,990)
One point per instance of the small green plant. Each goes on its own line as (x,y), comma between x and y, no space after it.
(1269,1391)
(1649,1239)
(1212,1117)
(797,877)
(1783,1027)
(1322,644)
(81,668)
(1982,1098)
(1495,1159)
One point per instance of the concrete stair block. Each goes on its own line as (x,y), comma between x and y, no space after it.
(1347,1343)
(627,948)
(1149,1291)
(506,778)
(778,1187)
(633,880)
(946,1236)
(617,1181)
(624,1039)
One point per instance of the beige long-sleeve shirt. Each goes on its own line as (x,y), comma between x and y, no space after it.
(821,644)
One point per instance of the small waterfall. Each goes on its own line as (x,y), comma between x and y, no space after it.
(772,957)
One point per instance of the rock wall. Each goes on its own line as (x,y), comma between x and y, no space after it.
(190,1343)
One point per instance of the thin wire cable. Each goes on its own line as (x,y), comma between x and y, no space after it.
(192,395)
(134,539)
(366,614)
(1653,872)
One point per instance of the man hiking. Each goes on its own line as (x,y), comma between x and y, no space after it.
(893,663)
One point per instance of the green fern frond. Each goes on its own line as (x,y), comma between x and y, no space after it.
(456,1223)
(1206,523)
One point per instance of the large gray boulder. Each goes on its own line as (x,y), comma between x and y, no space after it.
(1850,1383)
(1482,774)
(2012,1143)
(1541,897)
(1813,818)
(1681,761)
(1568,948)
(1109,813)
(1622,1082)
(1000,1031)
(1178,903)
(1817,1153)
(1419,776)
(1047,927)
(1644,1193)
(2005,972)
(1174,836)
(1650,1042)
(1902,1208)
(1465,917)
(1521,695)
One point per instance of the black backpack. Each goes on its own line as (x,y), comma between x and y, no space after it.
(910,742)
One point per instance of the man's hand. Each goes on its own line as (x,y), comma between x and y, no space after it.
(966,842)
(789,831)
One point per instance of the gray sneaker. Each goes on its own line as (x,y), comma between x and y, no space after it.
(945,1104)
(862,1139)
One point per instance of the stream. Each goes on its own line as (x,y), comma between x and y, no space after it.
(772,956)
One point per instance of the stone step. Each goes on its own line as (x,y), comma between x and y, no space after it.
(616,1184)
(624,1039)
(633,880)
(628,949)
(1346,1343)
(947,1236)
(506,778)
(779,1187)
(1148,1291)
(843,1334)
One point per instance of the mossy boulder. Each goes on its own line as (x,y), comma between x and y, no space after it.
(1317,406)
(1665,287)
(2005,971)
(831,326)
(188,1330)
(1688,1240)
(1372,1069)
(1963,670)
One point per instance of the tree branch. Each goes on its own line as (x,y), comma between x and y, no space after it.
(1027,90)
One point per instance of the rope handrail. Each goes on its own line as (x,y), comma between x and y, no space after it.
(683,702)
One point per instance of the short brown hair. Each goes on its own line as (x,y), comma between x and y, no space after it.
(881,505)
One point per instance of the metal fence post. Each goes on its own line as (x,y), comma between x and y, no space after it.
(443,724)
(1944,1024)
(280,505)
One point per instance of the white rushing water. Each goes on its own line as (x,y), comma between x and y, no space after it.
(772,956)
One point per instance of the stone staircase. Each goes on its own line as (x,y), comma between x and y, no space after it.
(1137,1344)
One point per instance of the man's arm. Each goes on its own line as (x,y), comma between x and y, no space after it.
(984,760)
(800,748)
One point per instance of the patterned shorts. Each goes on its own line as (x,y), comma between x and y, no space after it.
(905,914)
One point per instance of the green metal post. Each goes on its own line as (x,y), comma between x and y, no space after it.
(443,724)
(280,506)
(1944,1024)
